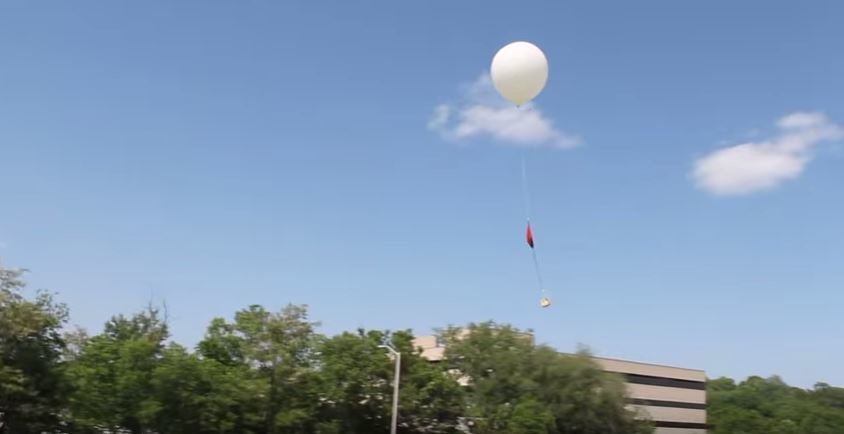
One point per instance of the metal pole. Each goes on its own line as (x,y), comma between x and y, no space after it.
(394,425)
(396,379)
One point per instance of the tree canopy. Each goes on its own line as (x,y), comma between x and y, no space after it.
(271,371)
(31,344)
(768,405)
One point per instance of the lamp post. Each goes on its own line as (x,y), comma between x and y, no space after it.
(397,355)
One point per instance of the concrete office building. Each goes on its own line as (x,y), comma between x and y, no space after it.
(673,398)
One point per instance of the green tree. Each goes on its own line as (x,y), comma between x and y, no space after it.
(529,416)
(199,396)
(31,344)
(112,374)
(432,399)
(279,348)
(510,378)
(769,405)
(829,396)
(356,378)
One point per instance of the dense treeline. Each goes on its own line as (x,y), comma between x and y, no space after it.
(760,405)
(272,372)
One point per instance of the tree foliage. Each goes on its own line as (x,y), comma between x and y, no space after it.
(112,374)
(31,370)
(276,353)
(356,387)
(517,386)
(768,405)
(264,372)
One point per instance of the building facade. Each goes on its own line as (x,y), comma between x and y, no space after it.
(674,399)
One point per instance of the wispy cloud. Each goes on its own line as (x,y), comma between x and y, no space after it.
(763,165)
(480,112)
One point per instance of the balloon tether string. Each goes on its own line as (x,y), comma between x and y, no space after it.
(526,193)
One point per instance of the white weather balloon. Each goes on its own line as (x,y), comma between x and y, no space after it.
(519,72)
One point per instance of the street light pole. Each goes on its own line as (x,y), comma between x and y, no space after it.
(397,355)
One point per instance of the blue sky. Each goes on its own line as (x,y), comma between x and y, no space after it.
(218,154)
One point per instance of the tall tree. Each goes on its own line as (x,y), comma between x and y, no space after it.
(510,378)
(199,396)
(31,344)
(112,374)
(432,398)
(281,349)
(356,386)
(354,378)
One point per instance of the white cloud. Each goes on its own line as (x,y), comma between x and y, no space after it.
(763,165)
(802,120)
(440,116)
(482,113)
